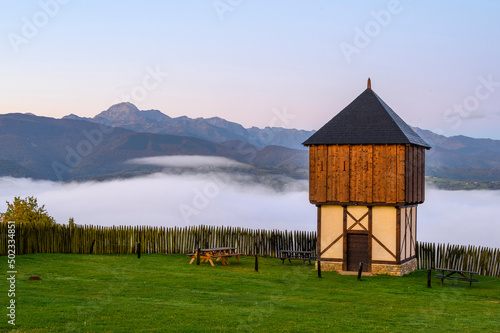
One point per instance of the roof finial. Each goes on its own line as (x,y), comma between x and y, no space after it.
(369,85)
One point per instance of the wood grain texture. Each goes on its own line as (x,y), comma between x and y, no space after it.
(357,251)
(367,174)
(400,173)
(312,173)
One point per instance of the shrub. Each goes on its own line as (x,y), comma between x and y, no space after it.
(27,211)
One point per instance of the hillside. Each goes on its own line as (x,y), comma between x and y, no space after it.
(461,157)
(159,292)
(71,149)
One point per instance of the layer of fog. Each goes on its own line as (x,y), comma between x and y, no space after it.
(219,198)
(194,161)
(168,200)
(460,217)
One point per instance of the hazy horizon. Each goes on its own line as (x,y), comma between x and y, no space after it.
(284,115)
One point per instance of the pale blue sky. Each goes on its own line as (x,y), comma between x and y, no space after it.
(247,60)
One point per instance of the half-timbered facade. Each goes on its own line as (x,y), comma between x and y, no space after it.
(366,177)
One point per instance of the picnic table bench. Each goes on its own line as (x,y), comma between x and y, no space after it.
(221,254)
(448,274)
(299,255)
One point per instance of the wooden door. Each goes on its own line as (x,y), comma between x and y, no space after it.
(357,251)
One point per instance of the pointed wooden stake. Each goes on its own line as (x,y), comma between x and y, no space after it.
(256,255)
(92,247)
(360,271)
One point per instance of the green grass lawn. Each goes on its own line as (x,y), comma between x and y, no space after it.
(163,293)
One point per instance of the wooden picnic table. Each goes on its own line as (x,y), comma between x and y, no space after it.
(221,254)
(461,275)
(299,255)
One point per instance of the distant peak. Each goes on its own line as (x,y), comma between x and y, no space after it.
(121,112)
(124,106)
(75,117)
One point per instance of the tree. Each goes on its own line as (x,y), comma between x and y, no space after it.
(27,211)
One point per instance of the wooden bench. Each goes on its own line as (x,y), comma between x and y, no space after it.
(461,275)
(296,255)
(224,257)
(221,254)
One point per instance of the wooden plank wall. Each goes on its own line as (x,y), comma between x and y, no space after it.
(422,174)
(369,174)
(415,174)
(312,173)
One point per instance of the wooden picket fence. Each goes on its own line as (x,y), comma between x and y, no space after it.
(485,261)
(123,240)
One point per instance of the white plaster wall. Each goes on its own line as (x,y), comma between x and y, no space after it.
(384,229)
(332,223)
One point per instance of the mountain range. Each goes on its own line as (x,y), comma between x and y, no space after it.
(128,116)
(69,149)
(77,148)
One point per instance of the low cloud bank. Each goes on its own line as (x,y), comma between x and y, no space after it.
(183,161)
(460,217)
(457,217)
(169,200)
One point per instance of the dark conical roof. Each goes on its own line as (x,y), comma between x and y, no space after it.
(367,120)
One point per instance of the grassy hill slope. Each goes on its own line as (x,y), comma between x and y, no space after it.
(163,293)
